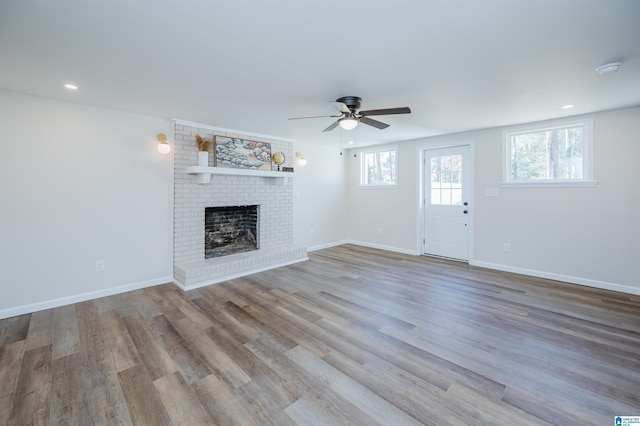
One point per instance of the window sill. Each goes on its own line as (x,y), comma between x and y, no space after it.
(395,186)
(551,184)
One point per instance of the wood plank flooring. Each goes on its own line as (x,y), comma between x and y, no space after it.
(354,336)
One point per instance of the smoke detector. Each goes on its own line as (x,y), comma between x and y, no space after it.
(608,68)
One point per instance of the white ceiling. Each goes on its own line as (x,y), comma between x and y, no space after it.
(249,65)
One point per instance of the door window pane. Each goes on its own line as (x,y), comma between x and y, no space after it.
(446,187)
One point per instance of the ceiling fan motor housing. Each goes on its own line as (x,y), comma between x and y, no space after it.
(352,102)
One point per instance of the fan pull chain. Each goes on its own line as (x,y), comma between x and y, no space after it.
(341,141)
(355,143)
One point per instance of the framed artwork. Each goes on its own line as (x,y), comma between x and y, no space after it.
(235,153)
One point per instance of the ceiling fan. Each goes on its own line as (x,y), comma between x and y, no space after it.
(350,114)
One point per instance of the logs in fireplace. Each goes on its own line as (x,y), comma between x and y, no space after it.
(229,230)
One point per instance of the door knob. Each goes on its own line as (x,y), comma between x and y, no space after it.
(466,211)
(465,203)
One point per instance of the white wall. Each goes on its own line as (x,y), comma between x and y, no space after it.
(319,196)
(583,235)
(385,218)
(79,184)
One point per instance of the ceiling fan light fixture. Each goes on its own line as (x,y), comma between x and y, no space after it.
(348,123)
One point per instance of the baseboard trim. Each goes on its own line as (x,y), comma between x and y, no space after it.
(54,303)
(603,285)
(327,245)
(382,247)
(62,301)
(238,275)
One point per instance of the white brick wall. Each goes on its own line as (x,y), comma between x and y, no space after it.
(275,226)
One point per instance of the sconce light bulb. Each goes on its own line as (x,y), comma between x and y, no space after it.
(163,147)
(301,160)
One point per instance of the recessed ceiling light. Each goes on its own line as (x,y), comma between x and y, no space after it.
(607,68)
(71,86)
(350,142)
(567,106)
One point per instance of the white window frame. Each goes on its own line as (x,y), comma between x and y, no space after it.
(587,154)
(386,148)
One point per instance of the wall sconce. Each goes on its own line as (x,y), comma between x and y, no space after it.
(301,161)
(163,147)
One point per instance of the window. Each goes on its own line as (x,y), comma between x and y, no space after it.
(378,168)
(559,154)
(446,184)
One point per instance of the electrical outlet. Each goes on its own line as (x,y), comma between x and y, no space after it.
(507,247)
(100,265)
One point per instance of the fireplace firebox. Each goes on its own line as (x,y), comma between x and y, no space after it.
(229,230)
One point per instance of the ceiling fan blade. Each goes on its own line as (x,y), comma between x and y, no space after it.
(385,111)
(333,126)
(315,116)
(375,123)
(341,107)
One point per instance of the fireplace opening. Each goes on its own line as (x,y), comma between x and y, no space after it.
(229,230)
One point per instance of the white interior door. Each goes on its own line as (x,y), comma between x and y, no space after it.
(446,200)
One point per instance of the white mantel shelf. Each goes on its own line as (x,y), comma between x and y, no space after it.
(203,174)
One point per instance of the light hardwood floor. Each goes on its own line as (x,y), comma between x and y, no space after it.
(354,336)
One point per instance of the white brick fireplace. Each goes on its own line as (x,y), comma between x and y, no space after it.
(191,269)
